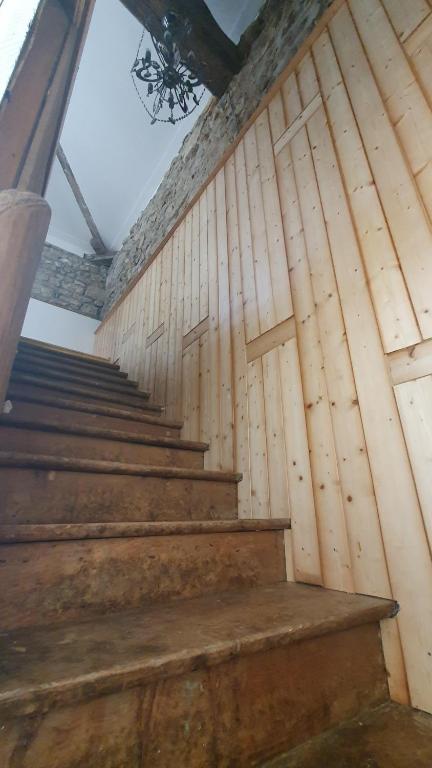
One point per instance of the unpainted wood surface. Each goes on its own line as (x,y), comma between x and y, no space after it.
(320,219)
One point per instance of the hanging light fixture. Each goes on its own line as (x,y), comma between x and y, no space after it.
(171,82)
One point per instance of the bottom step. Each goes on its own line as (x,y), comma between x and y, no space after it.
(390,736)
(231,679)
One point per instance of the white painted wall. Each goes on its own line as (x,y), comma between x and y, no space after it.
(55,325)
(118,158)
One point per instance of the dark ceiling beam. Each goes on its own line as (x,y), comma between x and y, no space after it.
(97,243)
(217,56)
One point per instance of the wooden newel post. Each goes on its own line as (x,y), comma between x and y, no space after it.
(31,115)
(24,220)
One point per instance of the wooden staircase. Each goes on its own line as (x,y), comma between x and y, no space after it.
(143,623)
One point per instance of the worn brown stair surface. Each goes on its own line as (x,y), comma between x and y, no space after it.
(390,736)
(82,441)
(73,578)
(90,392)
(42,407)
(72,662)
(62,353)
(143,624)
(36,488)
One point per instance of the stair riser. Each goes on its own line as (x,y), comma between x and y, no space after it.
(82,379)
(83,447)
(71,580)
(42,358)
(88,392)
(42,413)
(113,399)
(41,496)
(67,354)
(238,713)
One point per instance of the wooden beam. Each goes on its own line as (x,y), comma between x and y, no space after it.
(271,339)
(217,56)
(97,243)
(34,105)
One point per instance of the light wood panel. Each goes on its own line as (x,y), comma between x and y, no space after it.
(295,297)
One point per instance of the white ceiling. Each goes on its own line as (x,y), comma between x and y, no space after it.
(118,158)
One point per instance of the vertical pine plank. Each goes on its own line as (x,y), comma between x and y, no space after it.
(305,545)
(263,285)
(239,364)
(335,554)
(390,297)
(178,378)
(260,501)
(407,107)
(212,457)
(203,258)
(406,16)
(195,268)
(273,220)
(225,352)
(405,215)
(250,302)
(204,394)
(406,548)
(187,294)
(273,425)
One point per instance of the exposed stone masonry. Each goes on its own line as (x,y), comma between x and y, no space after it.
(70,281)
(280,30)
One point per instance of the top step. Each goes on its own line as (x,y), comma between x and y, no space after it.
(61,352)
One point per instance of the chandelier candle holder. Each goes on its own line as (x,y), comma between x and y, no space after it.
(171,82)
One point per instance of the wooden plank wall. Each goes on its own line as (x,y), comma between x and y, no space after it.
(288,320)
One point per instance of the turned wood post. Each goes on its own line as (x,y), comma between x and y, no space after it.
(24,219)
(31,116)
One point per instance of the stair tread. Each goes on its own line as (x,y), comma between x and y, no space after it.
(51,425)
(62,664)
(67,403)
(389,736)
(66,464)
(47,371)
(77,531)
(99,392)
(39,356)
(26,343)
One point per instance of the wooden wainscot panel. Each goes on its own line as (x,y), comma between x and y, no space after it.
(271,339)
(195,333)
(155,335)
(411,363)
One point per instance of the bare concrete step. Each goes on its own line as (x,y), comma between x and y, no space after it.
(63,353)
(76,441)
(232,678)
(69,579)
(41,357)
(134,399)
(389,736)
(37,405)
(83,378)
(52,489)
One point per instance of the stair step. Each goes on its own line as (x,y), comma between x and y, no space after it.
(63,353)
(389,736)
(75,441)
(70,579)
(39,357)
(51,373)
(14,534)
(40,405)
(232,678)
(56,489)
(137,399)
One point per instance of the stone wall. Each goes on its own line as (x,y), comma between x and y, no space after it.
(71,282)
(277,34)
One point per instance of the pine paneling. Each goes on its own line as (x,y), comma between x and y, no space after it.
(303,274)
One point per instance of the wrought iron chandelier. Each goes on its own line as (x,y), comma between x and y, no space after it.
(171,82)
